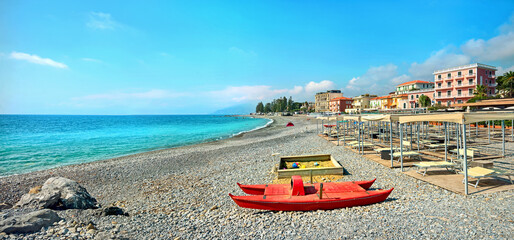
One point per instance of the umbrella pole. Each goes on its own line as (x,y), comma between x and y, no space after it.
(503,138)
(445,141)
(401,146)
(337,131)
(359,138)
(322,126)
(489,132)
(391,141)
(465,162)
(417,133)
(344,133)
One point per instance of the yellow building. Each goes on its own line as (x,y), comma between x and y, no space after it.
(322,100)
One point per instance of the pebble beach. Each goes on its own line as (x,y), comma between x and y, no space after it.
(182,193)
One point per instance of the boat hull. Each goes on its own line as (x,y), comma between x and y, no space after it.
(312,201)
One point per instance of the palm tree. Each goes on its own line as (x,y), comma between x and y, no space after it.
(506,84)
(480,91)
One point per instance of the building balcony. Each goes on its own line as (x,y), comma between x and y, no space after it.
(444,87)
(459,76)
(465,85)
(470,75)
(462,95)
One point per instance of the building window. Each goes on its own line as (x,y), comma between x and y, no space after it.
(459,83)
(490,91)
(449,103)
(449,93)
(439,77)
(459,74)
(439,102)
(404,105)
(449,75)
(438,94)
(439,85)
(459,92)
(470,91)
(449,84)
(417,96)
(411,97)
(459,101)
(470,81)
(470,72)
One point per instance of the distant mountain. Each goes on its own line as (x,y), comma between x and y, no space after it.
(236,109)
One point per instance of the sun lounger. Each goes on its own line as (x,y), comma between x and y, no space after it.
(471,152)
(384,149)
(480,172)
(439,164)
(409,154)
(355,144)
(427,141)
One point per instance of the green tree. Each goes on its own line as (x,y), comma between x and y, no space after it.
(506,84)
(259,108)
(290,104)
(267,108)
(480,91)
(424,101)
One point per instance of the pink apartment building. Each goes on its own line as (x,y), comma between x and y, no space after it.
(457,84)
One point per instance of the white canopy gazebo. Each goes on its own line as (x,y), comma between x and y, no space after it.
(462,119)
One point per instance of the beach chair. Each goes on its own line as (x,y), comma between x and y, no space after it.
(439,164)
(480,172)
(409,154)
(471,152)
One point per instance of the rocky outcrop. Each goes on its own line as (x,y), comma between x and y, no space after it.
(111,211)
(59,193)
(29,222)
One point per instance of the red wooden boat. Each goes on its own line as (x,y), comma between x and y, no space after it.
(299,197)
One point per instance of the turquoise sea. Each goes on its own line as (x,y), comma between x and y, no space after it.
(35,142)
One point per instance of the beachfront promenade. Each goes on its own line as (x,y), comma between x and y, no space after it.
(183,193)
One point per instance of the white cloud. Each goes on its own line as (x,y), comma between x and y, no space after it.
(500,47)
(438,60)
(247,93)
(37,59)
(401,79)
(101,21)
(501,70)
(313,87)
(239,51)
(377,80)
(267,93)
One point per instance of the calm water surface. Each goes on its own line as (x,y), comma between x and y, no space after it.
(34,142)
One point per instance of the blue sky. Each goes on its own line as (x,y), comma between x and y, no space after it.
(190,57)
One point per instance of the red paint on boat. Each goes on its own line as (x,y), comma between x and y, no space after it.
(260,188)
(290,124)
(289,197)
